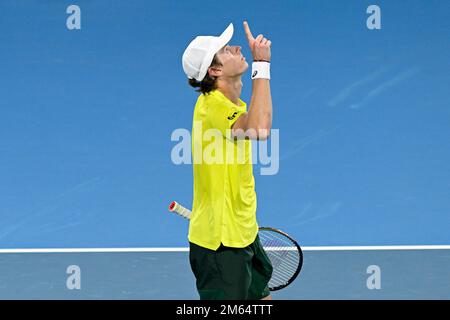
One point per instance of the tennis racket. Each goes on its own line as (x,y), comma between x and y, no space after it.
(283,251)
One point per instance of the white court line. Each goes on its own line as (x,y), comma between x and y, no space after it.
(94,250)
(369,248)
(318,248)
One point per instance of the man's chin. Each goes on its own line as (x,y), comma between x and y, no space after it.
(243,70)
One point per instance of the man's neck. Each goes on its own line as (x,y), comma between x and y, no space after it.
(231,88)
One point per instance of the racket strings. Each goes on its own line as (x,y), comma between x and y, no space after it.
(283,255)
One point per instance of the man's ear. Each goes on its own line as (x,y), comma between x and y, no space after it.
(215,71)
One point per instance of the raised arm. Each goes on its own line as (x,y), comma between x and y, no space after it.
(257,122)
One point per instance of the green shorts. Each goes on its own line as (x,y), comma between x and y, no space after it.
(231,273)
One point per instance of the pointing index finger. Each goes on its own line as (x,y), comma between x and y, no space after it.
(248,33)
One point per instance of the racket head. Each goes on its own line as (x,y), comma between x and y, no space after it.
(285,255)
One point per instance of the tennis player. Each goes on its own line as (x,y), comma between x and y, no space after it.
(226,255)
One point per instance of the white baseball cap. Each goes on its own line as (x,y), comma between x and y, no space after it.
(200,53)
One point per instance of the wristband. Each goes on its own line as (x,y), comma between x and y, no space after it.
(260,70)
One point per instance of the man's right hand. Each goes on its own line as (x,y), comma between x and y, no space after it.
(260,47)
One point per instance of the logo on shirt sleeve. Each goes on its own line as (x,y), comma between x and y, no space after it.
(232,116)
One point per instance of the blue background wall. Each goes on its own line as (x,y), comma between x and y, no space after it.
(86,118)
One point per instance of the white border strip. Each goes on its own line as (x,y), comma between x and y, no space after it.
(318,248)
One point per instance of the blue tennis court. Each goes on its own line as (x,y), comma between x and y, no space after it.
(326,274)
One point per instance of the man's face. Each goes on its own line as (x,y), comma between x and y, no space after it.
(233,62)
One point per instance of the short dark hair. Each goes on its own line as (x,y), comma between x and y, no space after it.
(208,83)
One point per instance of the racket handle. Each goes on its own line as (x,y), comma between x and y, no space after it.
(180,210)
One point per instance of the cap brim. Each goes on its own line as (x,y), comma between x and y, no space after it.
(222,40)
(226,36)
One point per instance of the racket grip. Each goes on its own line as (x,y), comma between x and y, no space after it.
(180,210)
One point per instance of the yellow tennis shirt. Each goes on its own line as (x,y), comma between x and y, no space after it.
(224,198)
